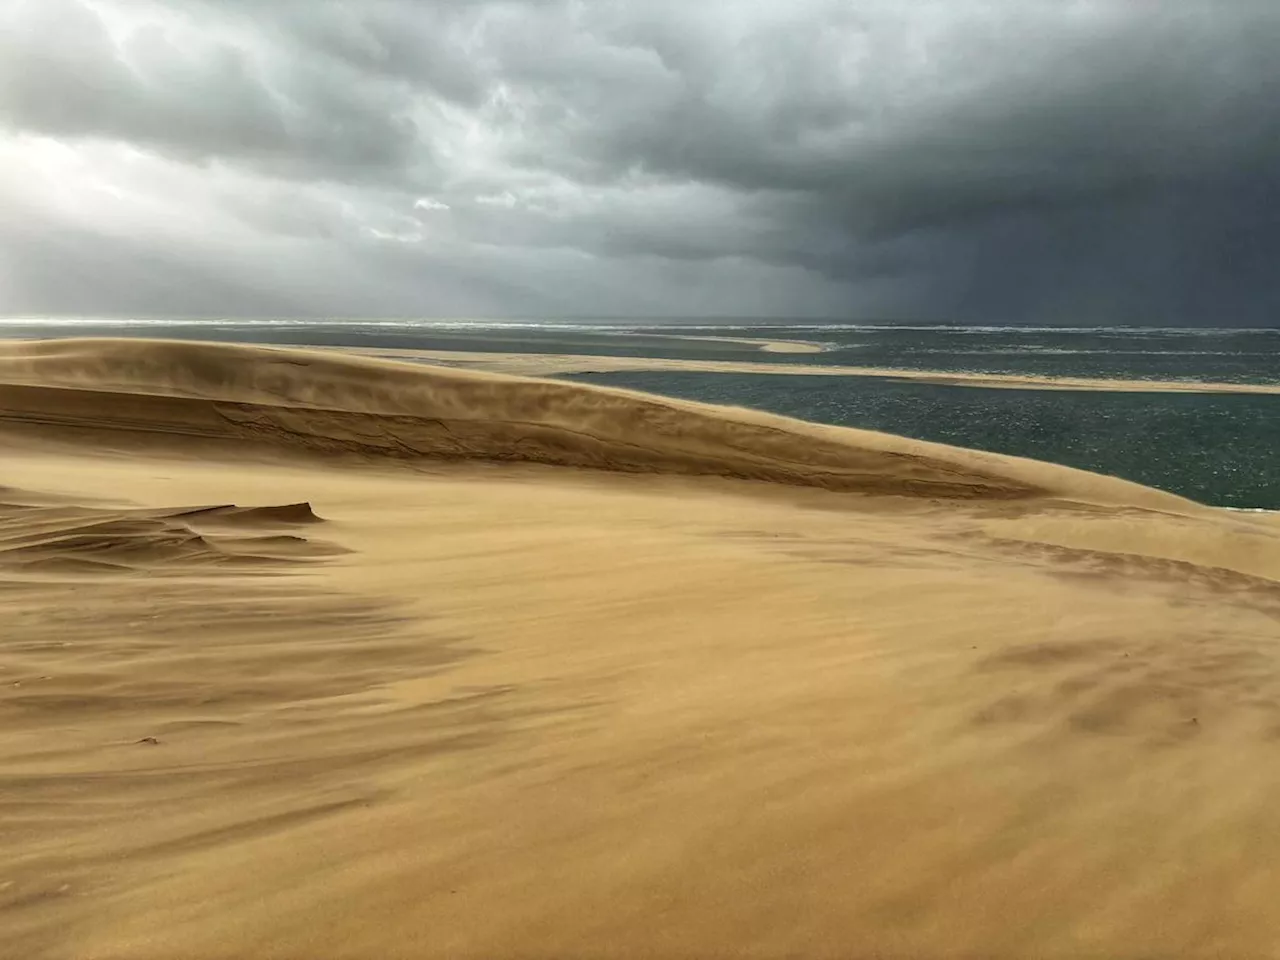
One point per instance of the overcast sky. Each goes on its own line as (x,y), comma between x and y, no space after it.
(1028,161)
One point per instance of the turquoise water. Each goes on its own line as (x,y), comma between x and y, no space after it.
(1222,449)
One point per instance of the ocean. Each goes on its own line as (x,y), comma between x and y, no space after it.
(1222,449)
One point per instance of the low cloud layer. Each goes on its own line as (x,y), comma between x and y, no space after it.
(1057,161)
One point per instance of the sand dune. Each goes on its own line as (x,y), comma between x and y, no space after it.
(333,404)
(308,656)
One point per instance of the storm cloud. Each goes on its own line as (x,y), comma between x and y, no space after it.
(1057,161)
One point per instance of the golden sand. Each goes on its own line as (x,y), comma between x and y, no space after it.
(311,656)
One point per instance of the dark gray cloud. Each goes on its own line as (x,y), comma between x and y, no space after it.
(996,160)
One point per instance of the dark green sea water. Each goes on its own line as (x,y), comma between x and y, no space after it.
(1231,356)
(1221,449)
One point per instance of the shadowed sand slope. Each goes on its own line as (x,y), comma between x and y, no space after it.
(378,701)
(322,402)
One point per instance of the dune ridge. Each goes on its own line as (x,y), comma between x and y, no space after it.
(40,536)
(323,402)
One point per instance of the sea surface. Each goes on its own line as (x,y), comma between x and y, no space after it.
(1222,449)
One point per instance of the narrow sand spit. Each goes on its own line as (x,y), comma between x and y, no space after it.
(307,655)
(765,346)
(546,365)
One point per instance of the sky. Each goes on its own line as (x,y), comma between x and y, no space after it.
(1073,162)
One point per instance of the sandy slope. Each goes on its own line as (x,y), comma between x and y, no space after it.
(170,393)
(903,701)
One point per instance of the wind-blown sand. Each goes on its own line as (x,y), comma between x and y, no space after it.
(314,656)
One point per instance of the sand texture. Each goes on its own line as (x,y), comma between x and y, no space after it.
(315,656)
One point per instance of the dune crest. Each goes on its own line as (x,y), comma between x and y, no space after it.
(323,402)
(289,514)
(40,536)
